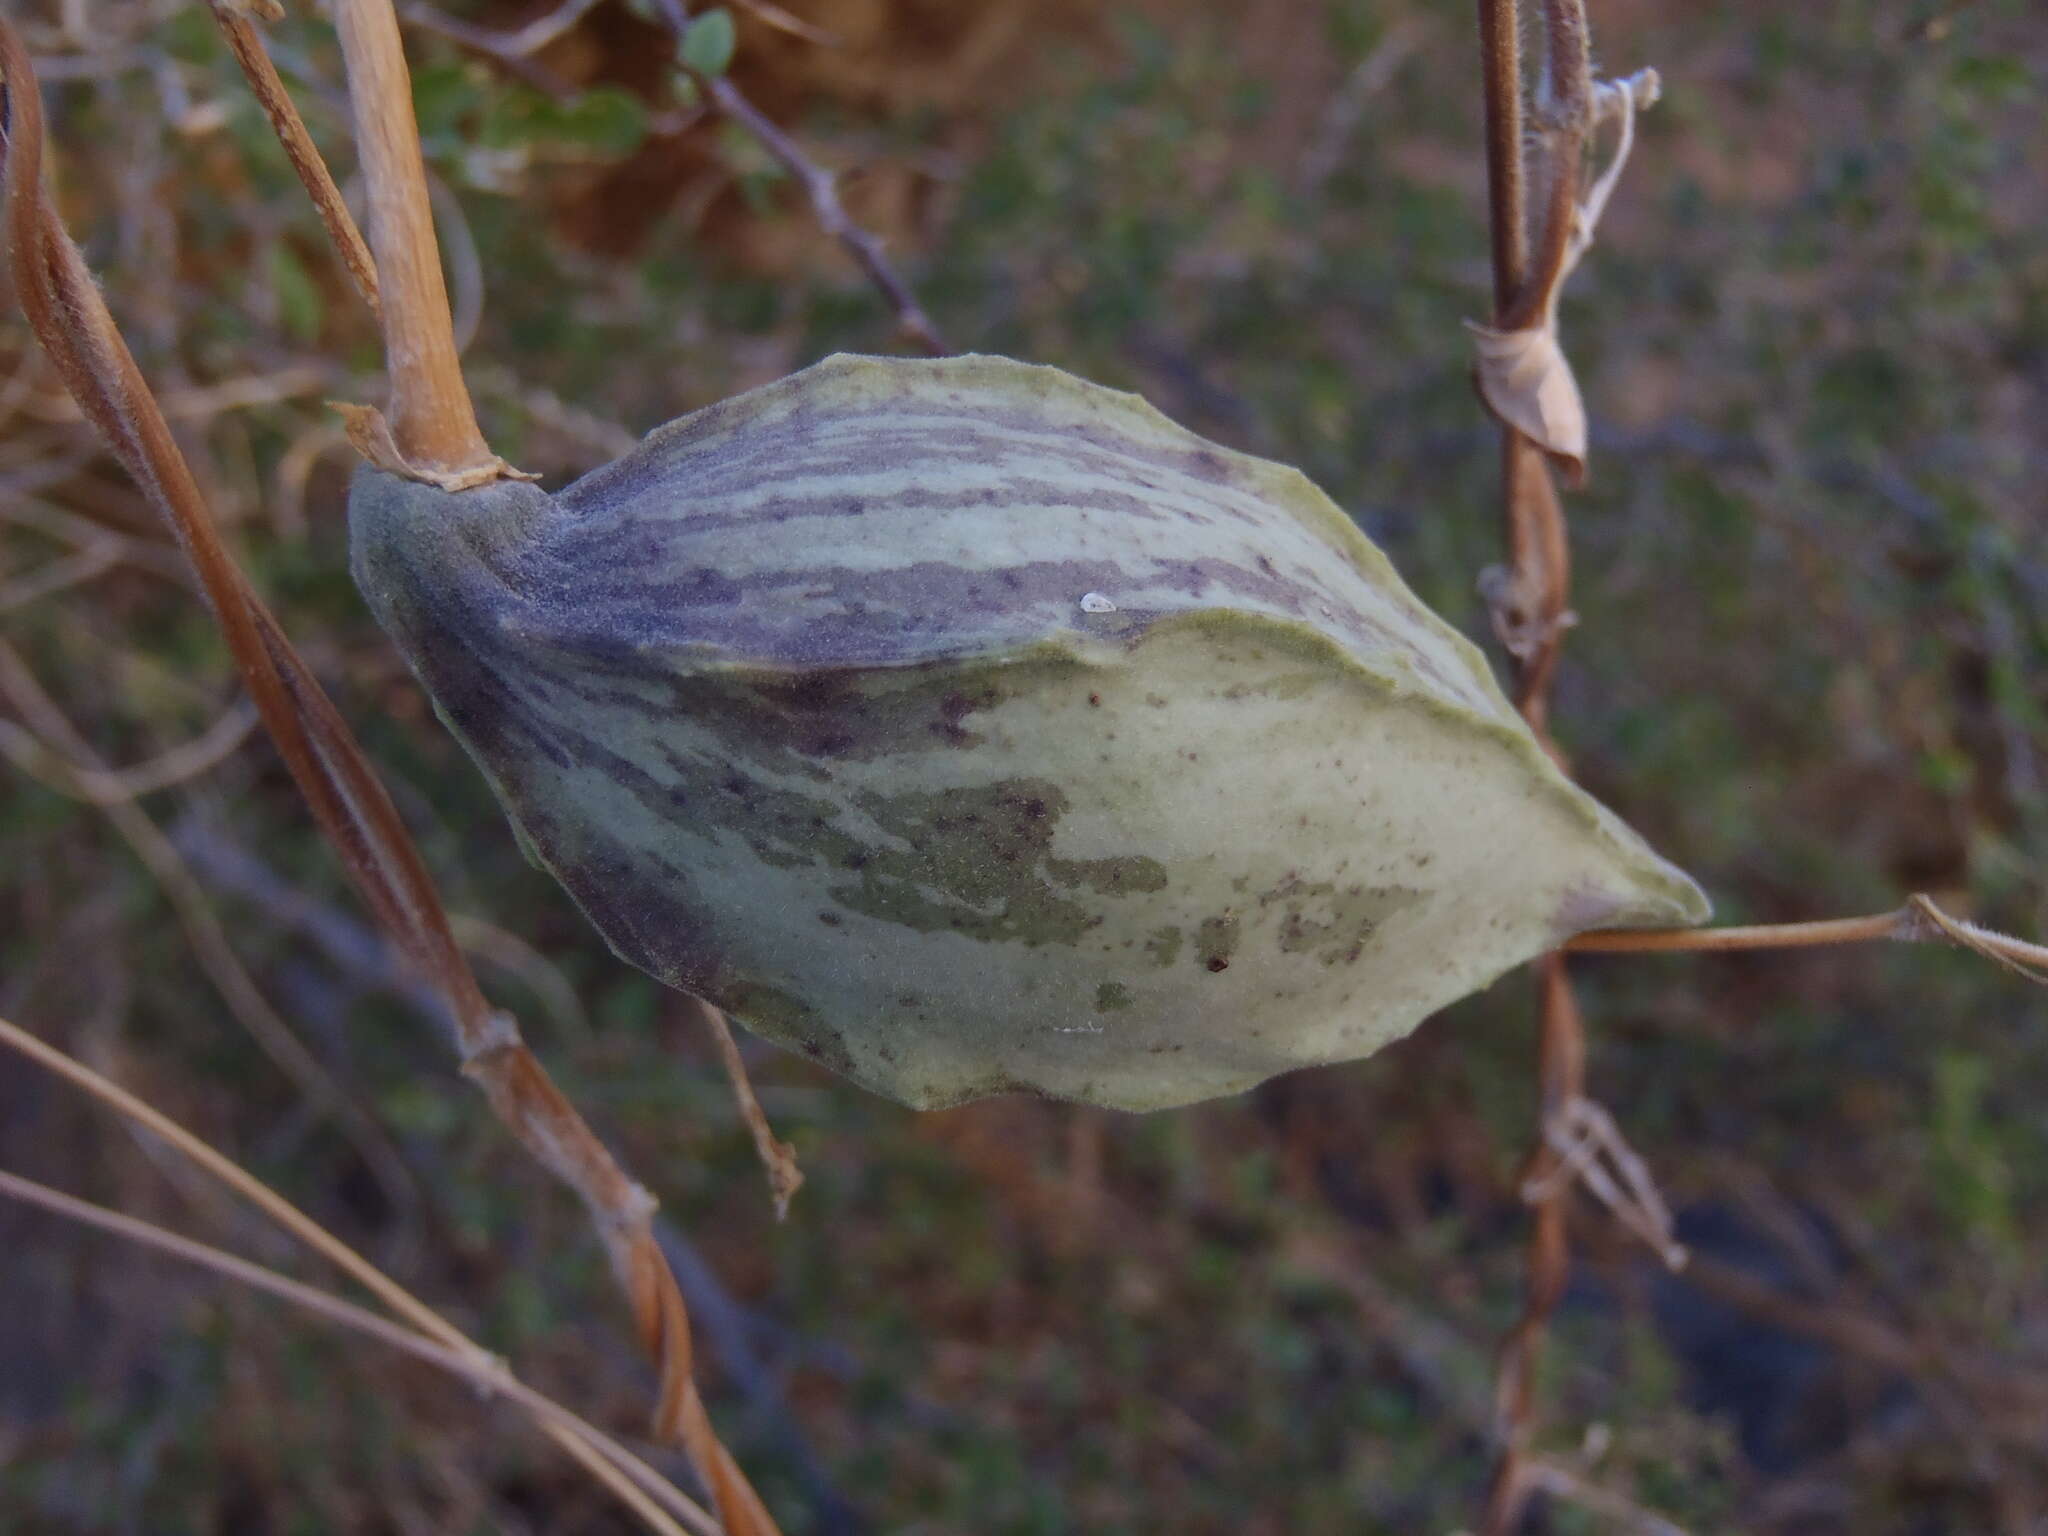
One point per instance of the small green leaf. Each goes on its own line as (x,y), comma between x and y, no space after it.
(604,121)
(1999,78)
(708,45)
(298,296)
(443,96)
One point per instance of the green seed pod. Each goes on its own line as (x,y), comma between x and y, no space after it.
(972,728)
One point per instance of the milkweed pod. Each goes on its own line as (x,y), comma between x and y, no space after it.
(972,728)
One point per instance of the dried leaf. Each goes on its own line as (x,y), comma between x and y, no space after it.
(370,435)
(1526,381)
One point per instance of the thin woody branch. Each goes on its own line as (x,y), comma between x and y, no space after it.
(1563,117)
(778,1157)
(416,1318)
(1500,65)
(433,432)
(246,44)
(820,186)
(1918,921)
(514,50)
(1532,609)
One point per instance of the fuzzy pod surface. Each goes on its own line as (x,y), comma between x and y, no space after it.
(972,728)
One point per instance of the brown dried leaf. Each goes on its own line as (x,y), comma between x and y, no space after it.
(1527,383)
(370,435)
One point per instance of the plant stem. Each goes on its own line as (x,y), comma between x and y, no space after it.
(246,43)
(1500,65)
(1918,920)
(1539,595)
(1837,930)
(433,423)
(1564,116)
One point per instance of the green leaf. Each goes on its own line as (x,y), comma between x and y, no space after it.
(1999,78)
(443,96)
(708,45)
(603,120)
(606,119)
(298,296)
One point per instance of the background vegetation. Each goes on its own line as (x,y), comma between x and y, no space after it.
(1813,600)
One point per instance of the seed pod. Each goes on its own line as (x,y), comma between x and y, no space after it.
(972,728)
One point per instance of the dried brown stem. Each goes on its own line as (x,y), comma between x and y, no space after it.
(69,761)
(64,308)
(1918,920)
(1500,65)
(1563,117)
(246,43)
(1624,1514)
(420,1319)
(819,185)
(473,1365)
(822,188)
(433,424)
(511,50)
(1836,930)
(1531,611)
(778,1157)
(514,50)
(105,785)
(782,21)
(1538,588)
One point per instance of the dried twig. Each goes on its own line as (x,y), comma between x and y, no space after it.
(777,1157)
(246,43)
(363,959)
(105,786)
(54,576)
(514,50)
(58,755)
(1530,600)
(199,402)
(1371,75)
(584,1441)
(1919,920)
(543,29)
(1532,609)
(819,185)
(783,21)
(1561,1482)
(511,50)
(422,1323)
(65,310)
(1592,1151)
(822,188)
(432,432)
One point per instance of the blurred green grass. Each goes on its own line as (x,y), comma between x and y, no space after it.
(1814,339)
